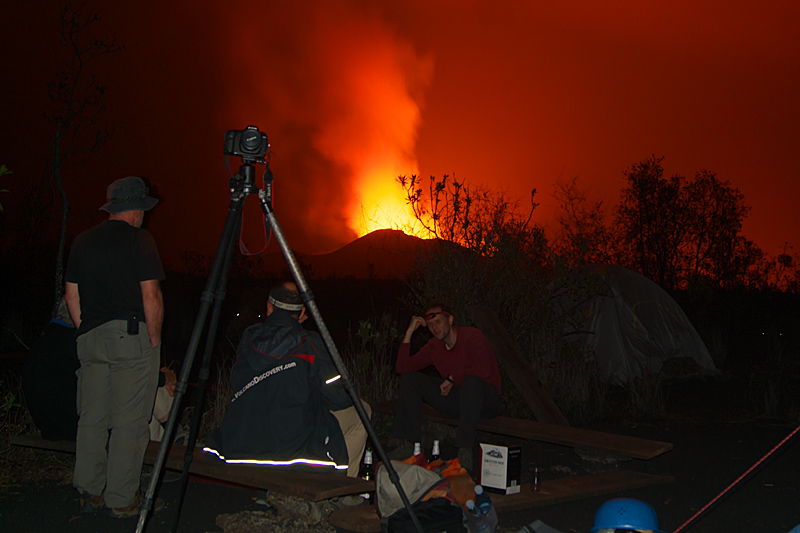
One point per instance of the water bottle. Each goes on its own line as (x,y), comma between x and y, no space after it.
(482,501)
(480,516)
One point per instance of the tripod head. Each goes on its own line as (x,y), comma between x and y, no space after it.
(244,181)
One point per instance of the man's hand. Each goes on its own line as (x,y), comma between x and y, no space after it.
(416,322)
(446,386)
(169,384)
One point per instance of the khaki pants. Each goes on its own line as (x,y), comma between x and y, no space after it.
(117,384)
(355,436)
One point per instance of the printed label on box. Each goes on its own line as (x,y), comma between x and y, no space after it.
(500,467)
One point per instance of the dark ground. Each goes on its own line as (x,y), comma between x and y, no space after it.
(715,442)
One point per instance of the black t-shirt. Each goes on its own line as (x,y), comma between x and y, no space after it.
(107,262)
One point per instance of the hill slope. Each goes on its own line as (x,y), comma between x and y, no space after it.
(382,254)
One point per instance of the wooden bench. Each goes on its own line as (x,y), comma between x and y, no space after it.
(365,519)
(584,439)
(307,485)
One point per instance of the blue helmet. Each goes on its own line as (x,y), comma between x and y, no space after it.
(626,513)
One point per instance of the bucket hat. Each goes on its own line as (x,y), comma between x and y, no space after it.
(128,194)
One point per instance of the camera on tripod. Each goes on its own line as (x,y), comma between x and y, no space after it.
(249,144)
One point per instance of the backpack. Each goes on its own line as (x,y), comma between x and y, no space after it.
(427,492)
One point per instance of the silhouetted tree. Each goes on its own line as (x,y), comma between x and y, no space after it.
(773,273)
(651,222)
(78,100)
(485,241)
(677,232)
(787,275)
(716,212)
(582,236)
(476,218)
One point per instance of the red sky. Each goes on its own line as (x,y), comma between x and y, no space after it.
(513,95)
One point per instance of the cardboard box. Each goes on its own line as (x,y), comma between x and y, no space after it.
(500,467)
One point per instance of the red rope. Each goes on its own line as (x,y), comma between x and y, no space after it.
(740,478)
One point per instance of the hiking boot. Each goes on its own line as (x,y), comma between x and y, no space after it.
(134,508)
(465,458)
(91,504)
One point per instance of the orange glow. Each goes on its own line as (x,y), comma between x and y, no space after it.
(382,205)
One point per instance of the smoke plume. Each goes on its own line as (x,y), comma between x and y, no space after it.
(339,93)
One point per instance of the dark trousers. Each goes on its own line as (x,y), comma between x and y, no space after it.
(469,402)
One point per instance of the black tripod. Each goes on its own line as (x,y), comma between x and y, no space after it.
(242,185)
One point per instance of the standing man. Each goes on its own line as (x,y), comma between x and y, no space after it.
(114,296)
(469,388)
(289,407)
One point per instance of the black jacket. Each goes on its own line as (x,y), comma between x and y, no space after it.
(284,388)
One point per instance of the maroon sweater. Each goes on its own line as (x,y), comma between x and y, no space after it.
(470,356)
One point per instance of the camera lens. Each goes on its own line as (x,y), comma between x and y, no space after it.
(251,141)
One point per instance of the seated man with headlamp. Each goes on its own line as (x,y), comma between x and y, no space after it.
(289,408)
(469,387)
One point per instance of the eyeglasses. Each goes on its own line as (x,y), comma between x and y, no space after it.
(431,316)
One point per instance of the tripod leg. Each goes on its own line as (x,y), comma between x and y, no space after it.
(222,255)
(204,373)
(326,336)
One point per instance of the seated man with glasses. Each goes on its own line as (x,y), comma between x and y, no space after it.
(469,387)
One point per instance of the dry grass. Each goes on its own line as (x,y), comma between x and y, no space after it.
(26,465)
(368,358)
(23,465)
(217,397)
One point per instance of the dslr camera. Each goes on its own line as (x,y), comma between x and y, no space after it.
(249,144)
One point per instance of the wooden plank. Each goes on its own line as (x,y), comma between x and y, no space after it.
(607,443)
(569,489)
(517,368)
(365,519)
(309,485)
(360,519)
(36,441)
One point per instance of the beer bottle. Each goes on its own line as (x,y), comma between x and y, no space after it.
(435,452)
(367,473)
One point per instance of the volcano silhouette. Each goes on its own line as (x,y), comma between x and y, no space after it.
(382,254)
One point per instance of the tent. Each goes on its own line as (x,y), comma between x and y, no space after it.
(629,324)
